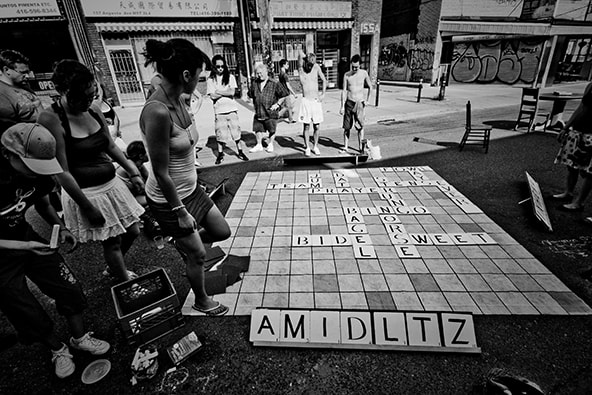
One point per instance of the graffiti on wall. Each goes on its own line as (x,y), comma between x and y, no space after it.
(506,61)
(401,62)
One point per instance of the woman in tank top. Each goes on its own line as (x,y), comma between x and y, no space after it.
(97,204)
(176,201)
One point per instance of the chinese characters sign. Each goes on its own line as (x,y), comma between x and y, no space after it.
(160,8)
(28,9)
(310,9)
(482,8)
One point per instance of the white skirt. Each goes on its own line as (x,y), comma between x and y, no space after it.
(114,200)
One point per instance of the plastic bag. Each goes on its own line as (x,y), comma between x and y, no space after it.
(373,151)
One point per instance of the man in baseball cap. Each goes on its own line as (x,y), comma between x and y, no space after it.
(27,164)
(34,145)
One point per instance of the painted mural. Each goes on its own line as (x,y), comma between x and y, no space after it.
(402,59)
(506,61)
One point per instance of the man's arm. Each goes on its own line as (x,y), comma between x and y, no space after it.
(323,79)
(369,83)
(344,93)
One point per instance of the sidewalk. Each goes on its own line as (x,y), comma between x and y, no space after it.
(395,104)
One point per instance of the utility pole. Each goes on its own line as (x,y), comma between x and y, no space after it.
(265,23)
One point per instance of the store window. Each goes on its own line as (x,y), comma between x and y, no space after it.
(576,63)
(283,47)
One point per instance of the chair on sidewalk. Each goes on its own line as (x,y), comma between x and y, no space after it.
(475,134)
(529,107)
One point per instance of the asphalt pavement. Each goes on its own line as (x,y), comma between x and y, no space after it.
(554,352)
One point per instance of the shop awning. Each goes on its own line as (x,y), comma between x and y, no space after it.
(163,26)
(308,25)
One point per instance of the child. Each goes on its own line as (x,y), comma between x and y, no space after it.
(136,152)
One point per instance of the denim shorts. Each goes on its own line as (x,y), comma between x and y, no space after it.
(198,204)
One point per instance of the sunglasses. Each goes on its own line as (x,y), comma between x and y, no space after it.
(219,67)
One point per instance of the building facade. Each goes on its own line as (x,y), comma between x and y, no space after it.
(118,31)
(532,42)
(25,27)
(334,30)
(408,39)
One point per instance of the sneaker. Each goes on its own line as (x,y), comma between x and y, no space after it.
(220,158)
(269,148)
(62,360)
(316,151)
(257,148)
(307,151)
(242,156)
(90,344)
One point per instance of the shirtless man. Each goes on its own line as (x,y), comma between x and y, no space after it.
(311,109)
(353,102)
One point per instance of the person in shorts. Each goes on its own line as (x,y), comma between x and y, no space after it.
(27,165)
(311,108)
(268,97)
(221,89)
(284,79)
(174,196)
(353,102)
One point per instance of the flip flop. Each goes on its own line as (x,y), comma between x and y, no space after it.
(215,311)
(563,207)
(559,198)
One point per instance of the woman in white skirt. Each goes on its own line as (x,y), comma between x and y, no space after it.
(97,204)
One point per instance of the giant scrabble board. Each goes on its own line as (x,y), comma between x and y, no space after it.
(389,238)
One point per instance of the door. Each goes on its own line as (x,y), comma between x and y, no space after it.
(365,50)
(127,79)
(329,59)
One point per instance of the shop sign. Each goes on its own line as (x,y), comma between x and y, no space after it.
(160,8)
(369,28)
(29,9)
(310,9)
(482,8)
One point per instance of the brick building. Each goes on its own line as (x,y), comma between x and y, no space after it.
(334,30)
(408,40)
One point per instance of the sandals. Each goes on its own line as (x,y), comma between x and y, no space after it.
(560,197)
(215,311)
(564,207)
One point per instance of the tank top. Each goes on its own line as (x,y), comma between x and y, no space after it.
(181,159)
(87,156)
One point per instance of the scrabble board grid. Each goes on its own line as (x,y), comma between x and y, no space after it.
(390,238)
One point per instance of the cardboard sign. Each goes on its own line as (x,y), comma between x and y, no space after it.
(538,204)
(357,329)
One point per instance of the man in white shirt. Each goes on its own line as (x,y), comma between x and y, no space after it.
(221,89)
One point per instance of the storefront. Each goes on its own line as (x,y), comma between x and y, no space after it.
(321,27)
(24,27)
(118,32)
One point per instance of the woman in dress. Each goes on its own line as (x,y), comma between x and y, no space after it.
(97,204)
(176,201)
(576,154)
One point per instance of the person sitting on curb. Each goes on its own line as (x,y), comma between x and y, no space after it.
(268,96)
(221,89)
(26,165)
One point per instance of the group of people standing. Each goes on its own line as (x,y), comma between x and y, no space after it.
(70,150)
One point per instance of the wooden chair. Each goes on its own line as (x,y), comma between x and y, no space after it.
(529,107)
(475,134)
